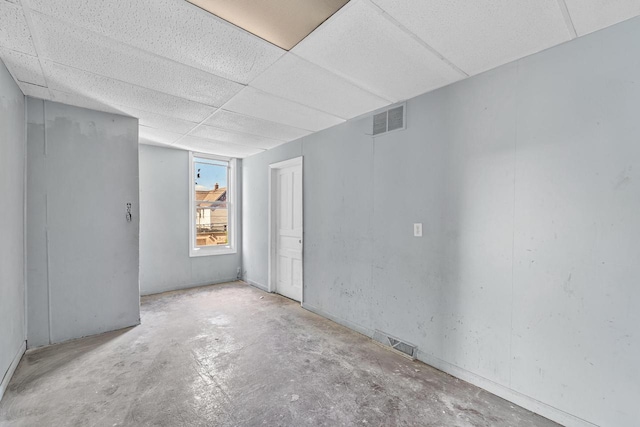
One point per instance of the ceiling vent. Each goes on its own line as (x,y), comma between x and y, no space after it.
(402,347)
(389,120)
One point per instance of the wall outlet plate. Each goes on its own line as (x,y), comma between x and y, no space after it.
(417,229)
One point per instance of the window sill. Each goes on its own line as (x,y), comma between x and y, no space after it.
(193,252)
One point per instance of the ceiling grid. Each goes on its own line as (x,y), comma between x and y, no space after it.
(197,82)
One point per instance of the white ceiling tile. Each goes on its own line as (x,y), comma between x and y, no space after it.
(34,91)
(158,121)
(253,102)
(209,132)
(82,102)
(97,54)
(157,135)
(592,15)
(174,29)
(482,34)
(23,67)
(209,146)
(106,91)
(360,44)
(298,80)
(241,123)
(14,31)
(145,118)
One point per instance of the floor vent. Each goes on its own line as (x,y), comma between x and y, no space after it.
(402,347)
(389,120)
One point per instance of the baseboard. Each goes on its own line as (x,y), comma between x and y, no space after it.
(354,326)
(499,390)
(256,285)
(529,403)
(12,368)
(185,286)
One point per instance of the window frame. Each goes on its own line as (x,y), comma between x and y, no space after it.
(231,247)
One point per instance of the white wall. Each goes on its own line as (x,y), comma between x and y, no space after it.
(526,181)
(165,263)
(12,280)
(82,254)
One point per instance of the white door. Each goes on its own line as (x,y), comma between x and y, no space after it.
(288,250)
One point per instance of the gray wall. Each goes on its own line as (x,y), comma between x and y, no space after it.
(12,170)
(255,216)
(526,181)
(165,263)
(82,254)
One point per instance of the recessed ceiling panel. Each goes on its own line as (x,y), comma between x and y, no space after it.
(359,43)
(110,92)
(281,22)
(235,137)
(482,34)
(298,80)
(14,31)
(79,48)
(209,146)
(241,123)
(592,15)
(253,102)
(25,68)
(173,29)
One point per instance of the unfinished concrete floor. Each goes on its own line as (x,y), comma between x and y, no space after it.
(231,355)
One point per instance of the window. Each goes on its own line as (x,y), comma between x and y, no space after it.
(212,208)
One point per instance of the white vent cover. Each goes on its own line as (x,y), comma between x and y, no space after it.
(389,120)
(402,347)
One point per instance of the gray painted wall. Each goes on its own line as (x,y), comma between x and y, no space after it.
(12,170)
(165,263)
(82,254)
(255,216)
(526,181)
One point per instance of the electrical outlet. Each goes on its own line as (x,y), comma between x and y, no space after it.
(417,229)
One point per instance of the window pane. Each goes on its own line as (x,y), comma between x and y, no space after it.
(212,214)
(212,226)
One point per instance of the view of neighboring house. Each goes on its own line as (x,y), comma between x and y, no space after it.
(211,216)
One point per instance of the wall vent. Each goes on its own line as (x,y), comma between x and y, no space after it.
(396,344)
(389,120)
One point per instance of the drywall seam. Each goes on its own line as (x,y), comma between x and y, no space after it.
(44,127)
(504,392)
(24,223)
(46,234)
(351,325)
(185,286)
(513,229)
(12,368)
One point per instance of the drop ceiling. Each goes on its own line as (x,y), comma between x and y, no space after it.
(281,22)
(197,82)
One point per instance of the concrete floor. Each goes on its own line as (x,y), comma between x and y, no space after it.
(231,355)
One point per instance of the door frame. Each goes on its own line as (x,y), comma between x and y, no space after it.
(273,170)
